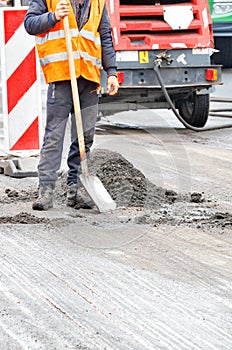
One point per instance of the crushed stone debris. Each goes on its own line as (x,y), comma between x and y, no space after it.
(130,189)
(125,183)
(23,218)
(220,219)
(11,195)
(197,197)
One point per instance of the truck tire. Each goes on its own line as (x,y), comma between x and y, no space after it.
(224,44)
(195,109)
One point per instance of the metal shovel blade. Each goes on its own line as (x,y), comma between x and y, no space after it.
(98,193)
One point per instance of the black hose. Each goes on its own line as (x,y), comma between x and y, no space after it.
(168,99)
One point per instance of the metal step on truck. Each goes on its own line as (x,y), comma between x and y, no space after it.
(163,53)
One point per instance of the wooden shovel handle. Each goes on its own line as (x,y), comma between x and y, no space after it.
(76,100)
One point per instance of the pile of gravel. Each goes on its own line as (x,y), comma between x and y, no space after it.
(126,184)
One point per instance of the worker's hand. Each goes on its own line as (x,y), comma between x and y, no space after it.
(62,9)
(112,85)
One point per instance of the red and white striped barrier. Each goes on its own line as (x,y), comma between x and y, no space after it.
(21,92)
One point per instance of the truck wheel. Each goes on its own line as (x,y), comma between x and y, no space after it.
(195,109)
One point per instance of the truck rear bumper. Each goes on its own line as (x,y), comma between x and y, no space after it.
(178,68)
(173,77)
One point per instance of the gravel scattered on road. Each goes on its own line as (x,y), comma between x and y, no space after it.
(130,189)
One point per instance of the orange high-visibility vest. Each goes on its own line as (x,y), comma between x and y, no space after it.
(86,45)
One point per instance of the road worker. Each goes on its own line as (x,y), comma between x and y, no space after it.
(92,49)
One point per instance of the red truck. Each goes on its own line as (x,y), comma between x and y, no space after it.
(163,53)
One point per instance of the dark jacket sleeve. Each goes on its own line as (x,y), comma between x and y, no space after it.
(37,19)
(108,53)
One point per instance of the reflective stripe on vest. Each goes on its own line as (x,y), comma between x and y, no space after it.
(55,35)
(90,36)
(57,57)
(95,61)
(73,33)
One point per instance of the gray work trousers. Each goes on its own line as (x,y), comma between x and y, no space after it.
(59,107)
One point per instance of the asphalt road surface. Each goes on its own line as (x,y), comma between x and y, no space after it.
(149,277)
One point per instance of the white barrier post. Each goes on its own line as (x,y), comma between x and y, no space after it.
(21,92)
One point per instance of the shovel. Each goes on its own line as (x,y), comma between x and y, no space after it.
(92,184)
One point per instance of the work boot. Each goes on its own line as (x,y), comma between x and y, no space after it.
(45,199)
(72,195)
(77,197)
